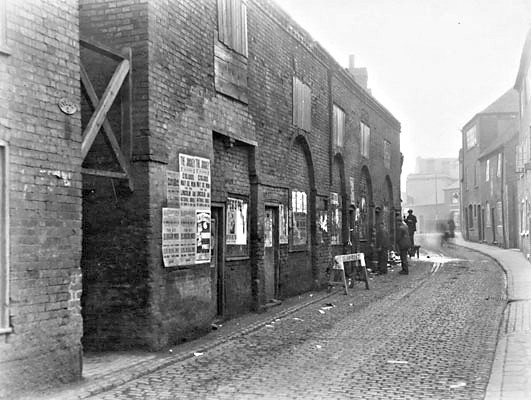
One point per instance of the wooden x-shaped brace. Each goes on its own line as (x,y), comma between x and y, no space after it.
(99,117)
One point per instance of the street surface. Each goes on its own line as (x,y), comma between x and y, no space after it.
(427,335)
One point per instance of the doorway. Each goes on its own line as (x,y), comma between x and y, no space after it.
(216,263)
(271,253)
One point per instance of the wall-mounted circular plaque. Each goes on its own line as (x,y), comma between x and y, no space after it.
(67,106)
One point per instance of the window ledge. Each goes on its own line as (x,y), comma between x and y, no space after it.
(5,331)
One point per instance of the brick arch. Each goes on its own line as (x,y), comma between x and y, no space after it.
(301,272)
(366,205)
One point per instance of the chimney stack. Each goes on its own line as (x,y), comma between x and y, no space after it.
(360,75)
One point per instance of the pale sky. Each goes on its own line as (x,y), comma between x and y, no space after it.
(433,64)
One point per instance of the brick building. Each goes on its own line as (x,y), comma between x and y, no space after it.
(216,159)
(40,194)
(488,184)
(432,192)
(523,146)
(289,151)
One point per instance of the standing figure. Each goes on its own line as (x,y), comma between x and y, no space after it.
(403,243)
(382,247)
(411,221)
(451,226)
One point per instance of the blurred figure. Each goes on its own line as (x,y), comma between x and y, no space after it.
(451,226)
(442,228)
(403,243)
(382,247)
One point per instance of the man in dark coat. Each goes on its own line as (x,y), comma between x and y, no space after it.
(403,243)
(382,247)
(411,221)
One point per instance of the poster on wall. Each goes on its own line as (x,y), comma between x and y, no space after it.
(202,254)
(268,229)
(335,208)
(283,224)
(352,193)
(186,221)
(178,237)
(236,221)
(299,231)
(172,188)
(194,174)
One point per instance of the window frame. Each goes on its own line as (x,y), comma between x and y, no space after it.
(302,105)
(338,126)
(365,133)
(4,240)
(471,137)
(228,34)
(387,154)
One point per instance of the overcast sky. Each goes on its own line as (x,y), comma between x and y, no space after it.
(432,63)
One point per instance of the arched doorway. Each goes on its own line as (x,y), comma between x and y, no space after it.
(366,210)
(300,276)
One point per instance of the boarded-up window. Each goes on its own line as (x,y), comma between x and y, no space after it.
(339,126)
(302,105)
(471,137)
(232,24)
(365,139)
(4,240)
(387,154)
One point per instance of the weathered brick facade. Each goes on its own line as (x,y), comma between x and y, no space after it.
(195,95)
(40,345)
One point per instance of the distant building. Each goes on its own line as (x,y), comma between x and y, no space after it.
(432,192)
(487,173)
(523,142)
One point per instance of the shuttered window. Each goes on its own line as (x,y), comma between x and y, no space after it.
(387,154)
(4,240)
(302,105)
(338,126)
(365,139)
(232,24)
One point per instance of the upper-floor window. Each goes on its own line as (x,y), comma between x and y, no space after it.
(487,171)
(302,105)
(471,137)
(365,139)
(4,239)
(387,154)
(232,24)
(499,166)
(476,174)
(338,126)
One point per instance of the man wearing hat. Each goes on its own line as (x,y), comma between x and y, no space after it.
(411,221)
(403,243)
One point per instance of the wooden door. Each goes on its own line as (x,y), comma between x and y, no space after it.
(271,253)
(216,263)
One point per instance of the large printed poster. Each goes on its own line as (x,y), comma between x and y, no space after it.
(178,237)
(186,223)
(236,221)
(283,224)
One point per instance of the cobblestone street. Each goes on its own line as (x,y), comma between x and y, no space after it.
(429,335)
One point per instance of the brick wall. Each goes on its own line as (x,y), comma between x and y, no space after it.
(40,68)
(256,153)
